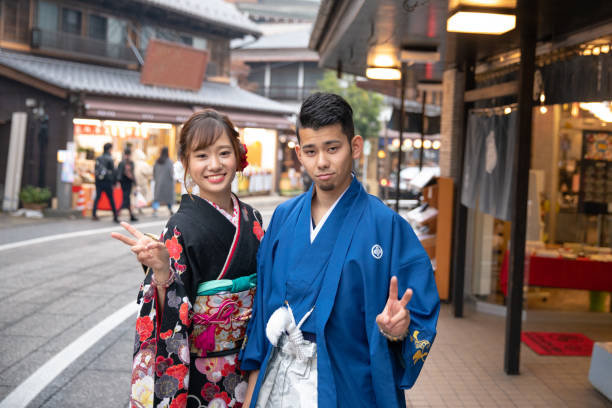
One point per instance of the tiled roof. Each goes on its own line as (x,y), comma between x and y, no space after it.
(212,11)
(99,80)
(284,9)
(278,36)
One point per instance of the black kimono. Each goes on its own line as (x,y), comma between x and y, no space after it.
(188,356)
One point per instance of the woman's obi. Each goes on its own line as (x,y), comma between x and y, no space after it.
(221,312)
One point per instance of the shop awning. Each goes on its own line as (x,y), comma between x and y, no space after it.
(242,119)
(107,108)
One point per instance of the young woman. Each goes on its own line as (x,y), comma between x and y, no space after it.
(196,298)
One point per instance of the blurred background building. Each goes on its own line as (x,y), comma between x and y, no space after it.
(130,73)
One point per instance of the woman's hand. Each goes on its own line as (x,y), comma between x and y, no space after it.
(149,252)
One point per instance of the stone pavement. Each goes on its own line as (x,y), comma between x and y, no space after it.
(465,366)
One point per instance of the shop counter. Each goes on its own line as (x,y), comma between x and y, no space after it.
(581,273)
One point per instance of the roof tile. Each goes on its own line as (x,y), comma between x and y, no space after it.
(99,80)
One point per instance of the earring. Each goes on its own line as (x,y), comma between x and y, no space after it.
(189,183)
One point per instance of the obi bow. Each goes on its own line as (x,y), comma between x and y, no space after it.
(205,341)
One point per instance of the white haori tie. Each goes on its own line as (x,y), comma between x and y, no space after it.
(282,321)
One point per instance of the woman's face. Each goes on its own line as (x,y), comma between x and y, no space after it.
(213,168)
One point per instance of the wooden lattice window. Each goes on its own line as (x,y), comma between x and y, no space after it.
(16,21)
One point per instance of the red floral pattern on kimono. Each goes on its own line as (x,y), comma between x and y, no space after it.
(257,230)
(164,373)
(160,371)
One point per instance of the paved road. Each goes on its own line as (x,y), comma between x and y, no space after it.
(57,287)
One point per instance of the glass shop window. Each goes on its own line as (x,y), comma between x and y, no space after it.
(146,34)
(187,40)
(71,21)
(47,16)
(200,43)
(97,27)
(116,32)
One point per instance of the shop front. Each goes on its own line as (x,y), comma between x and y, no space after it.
(258,177)
(124,111)
(293,177)
(568,236)
(264,137)
(144,139)
(420,150)
(420,154)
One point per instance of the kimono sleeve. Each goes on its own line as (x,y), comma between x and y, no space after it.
(175,244)
(161,349)
(415,271)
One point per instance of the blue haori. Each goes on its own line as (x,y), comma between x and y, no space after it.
(345,274)
(309,260)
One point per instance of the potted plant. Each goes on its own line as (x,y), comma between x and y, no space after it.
(35,198)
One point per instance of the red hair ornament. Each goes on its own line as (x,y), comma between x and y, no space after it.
(243,158)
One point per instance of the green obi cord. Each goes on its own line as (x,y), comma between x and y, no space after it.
(230,285)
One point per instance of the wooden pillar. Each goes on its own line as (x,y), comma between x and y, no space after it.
(527,12)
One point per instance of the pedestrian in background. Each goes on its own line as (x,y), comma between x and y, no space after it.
(105,179)
(143,172)
(126,178)
(163,174)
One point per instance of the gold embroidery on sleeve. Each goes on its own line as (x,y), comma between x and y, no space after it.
(421,346)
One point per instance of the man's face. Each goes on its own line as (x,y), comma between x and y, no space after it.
(328,157)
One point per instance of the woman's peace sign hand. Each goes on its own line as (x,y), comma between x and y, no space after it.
(395,318)
(148,251)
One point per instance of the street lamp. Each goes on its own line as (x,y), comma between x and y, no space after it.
(481,16)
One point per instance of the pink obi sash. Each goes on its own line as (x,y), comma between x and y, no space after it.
(219,321)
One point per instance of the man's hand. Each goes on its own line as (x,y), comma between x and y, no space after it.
(148,251)
(395,318)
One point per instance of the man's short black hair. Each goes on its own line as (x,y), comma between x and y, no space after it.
(107,147)
(324,109)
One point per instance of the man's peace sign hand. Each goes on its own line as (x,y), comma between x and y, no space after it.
(395,318)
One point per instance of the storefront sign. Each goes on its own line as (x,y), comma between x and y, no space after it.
(67,159)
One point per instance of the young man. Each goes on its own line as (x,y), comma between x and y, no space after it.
(105,180)
(329,328)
